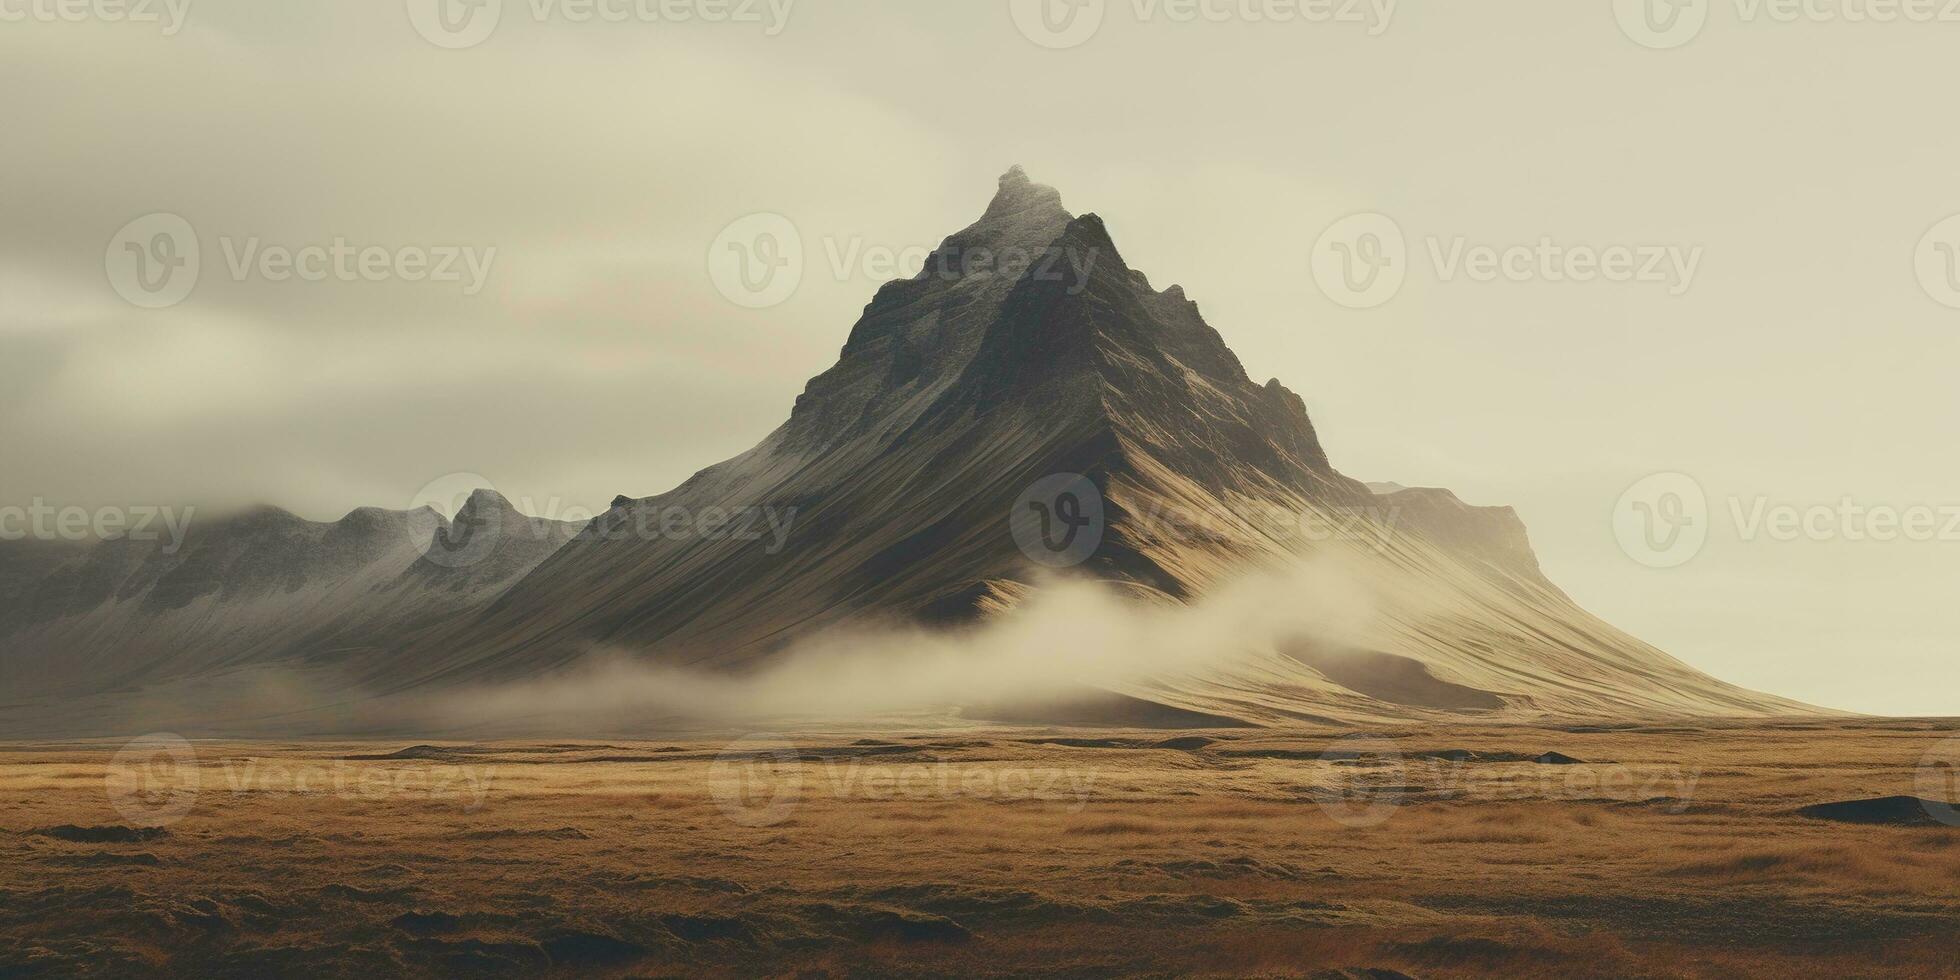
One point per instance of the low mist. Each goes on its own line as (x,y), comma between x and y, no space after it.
(1071,637)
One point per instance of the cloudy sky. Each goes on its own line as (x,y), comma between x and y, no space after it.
(1804,358)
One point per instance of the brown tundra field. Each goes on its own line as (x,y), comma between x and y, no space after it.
(1445,852)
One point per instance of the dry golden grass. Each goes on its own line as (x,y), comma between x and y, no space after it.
(985,853)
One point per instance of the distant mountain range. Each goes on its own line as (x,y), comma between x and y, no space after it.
(1026,403)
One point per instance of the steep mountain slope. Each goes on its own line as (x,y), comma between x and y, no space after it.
(1026,403)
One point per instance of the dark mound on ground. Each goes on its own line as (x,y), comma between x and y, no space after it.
(418,753)
(101,835)
(1895,811)
(426,923)
(589,949)
(143,860)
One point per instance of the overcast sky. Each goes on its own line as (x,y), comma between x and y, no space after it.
(1805,360)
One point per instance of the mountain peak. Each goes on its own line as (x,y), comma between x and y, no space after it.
(1020,195)
(485,498)
(487,507)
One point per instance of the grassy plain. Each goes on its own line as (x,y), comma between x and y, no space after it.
(1445,852)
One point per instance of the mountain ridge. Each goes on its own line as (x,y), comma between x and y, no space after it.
(1026,351)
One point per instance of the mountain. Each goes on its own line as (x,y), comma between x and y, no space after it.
(262,587)
(898,467)
(1026,402)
